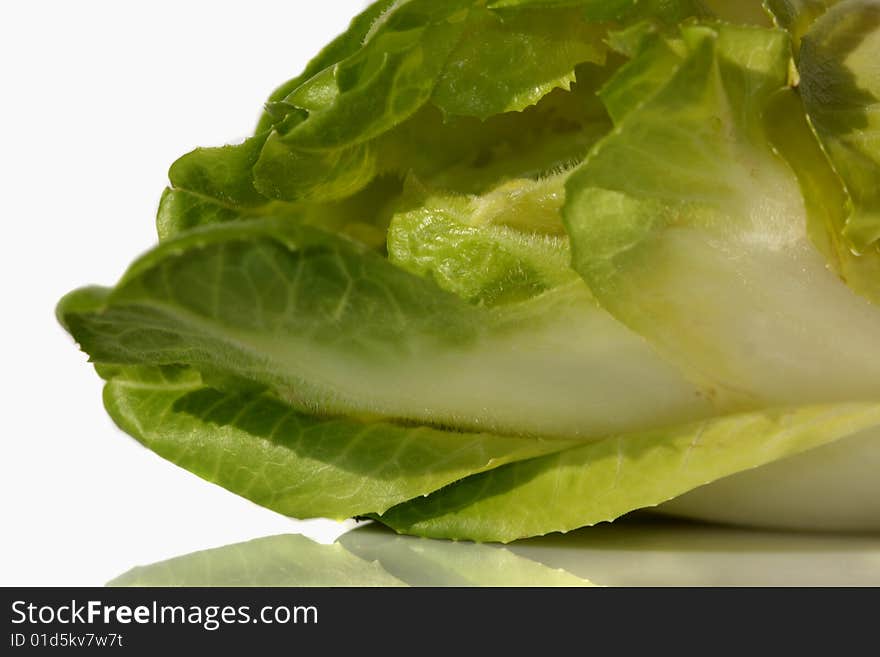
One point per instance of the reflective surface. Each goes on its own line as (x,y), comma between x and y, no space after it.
(633,552)
(653,552)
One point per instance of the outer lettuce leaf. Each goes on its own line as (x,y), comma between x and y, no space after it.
(215,185)
(302,466)
(408,85)
(478,79)
(689,228)
(796,16)
(831,488)
(839,210)
(423,54)
(419,56)
(604,480)
(670,11)
(385,81)
(550,40)
(293,174)
(740,12)
(423,50)
(840,87)
(331,327)
(825,197)
(749,12)
(343,46)
(462,154)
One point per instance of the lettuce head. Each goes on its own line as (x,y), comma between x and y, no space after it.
(493,269)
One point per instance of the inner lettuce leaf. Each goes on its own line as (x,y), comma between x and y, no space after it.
(500,247)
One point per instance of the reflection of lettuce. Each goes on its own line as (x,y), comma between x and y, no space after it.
(423,562)
(283,560)
(360,558)
(631,552)
(648,552)
(494,269)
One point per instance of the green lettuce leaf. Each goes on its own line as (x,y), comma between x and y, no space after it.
(690,228)
(832,487)
(299,465)
(215,185)
(796,16)
(615,10)
(841,92)
(825,198)
(452,57)
(460,154)
(340,48)
(504,246)
(547,46)
(602,481)
(331,327)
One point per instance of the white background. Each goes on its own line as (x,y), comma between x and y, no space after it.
(98,97)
